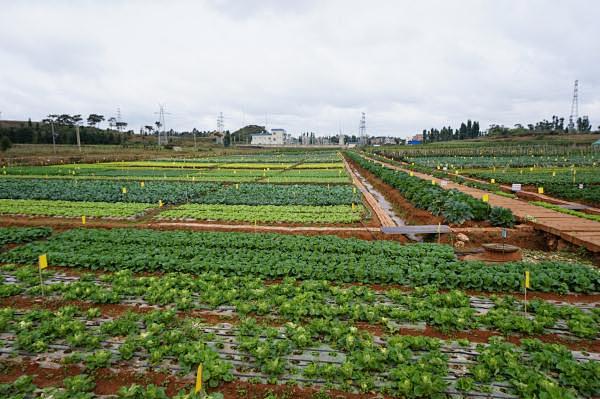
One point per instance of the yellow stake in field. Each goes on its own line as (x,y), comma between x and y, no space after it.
(527,285)
(43,263)
(198,379)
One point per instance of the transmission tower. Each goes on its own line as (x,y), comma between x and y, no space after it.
(574,107)
(119,127)
(362,129)
(163,138)
(220,123)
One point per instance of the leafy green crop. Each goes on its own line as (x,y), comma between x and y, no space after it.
(277,256)
(267,213)
(177,192)
(17,235)
(72,208)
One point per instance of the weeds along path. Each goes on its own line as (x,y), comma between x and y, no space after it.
(578,231)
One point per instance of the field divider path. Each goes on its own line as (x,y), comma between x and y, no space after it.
(382,215)
(573,229)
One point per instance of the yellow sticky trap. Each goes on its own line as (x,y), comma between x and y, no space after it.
(353,206)
(540,190)
(485,198)
(142,184)
(354,190)
(411,174)
(160,203)
(83,220)
(553,174)
(237,186)
(198,379)
(433,182)
(531,169)
(527,282)
(124,190)
(43,261)
(493,181)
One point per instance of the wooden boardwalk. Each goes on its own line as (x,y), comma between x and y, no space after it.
(581,232)
(382,215)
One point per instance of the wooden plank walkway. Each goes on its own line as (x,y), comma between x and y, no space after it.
(579,231)
(382,215)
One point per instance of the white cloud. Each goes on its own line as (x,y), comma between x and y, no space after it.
(302,65)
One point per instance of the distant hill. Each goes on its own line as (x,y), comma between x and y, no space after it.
(244,135)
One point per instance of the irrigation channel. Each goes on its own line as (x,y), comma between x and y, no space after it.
(381,206)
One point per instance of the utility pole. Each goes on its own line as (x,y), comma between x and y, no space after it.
(53,135)
(78,137)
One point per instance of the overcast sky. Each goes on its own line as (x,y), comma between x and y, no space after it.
(301,65)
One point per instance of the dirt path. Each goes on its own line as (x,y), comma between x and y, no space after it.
(578,231)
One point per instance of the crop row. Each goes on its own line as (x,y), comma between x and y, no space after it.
(177,192)
(328,351)
(276,256)
(72,208)
(538,176)
(269,157)
(233,165)
(267,213)
(503,162)
(300,301)
(81,386)
(17,235)
(454,206)
(334,176)
(244,213)
(566,211)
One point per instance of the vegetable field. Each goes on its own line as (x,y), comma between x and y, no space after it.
(178,287)
(267,213)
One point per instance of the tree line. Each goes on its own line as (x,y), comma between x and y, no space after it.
(64,128)
(469,130)
(557,125)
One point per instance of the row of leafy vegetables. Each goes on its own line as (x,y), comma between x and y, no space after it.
(274,256)
(300,301)
(454,206)
(177,192)
(401,366)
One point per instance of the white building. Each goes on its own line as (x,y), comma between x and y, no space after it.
(276,137)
